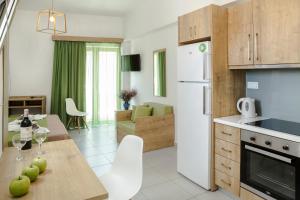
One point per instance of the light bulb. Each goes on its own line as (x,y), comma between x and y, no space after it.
(52,18)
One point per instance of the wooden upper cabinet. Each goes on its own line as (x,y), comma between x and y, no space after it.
(185,33)
(277,31)
(195,25)
(240,34)
(264,34)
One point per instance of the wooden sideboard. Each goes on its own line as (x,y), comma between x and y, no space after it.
(35,104)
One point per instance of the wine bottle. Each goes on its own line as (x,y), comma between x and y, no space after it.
(26,130)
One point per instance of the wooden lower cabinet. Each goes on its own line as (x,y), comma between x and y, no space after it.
(227,158)
(227,166)
(246,195)
(228,183)
(228,133)
(228,150)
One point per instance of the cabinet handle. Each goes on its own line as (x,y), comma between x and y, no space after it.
(249,52)
(256,46)
(224,133)
(191,32)
(225,166)
(229,184)
(226,150)
(195,31)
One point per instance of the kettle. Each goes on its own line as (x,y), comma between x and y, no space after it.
(246,106)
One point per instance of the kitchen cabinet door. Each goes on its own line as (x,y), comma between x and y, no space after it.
(240,34)
(276,31)
(185,28)
(202,22)
(196,25)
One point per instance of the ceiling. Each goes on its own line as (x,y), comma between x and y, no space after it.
(96,7)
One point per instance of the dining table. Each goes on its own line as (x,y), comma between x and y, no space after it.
(67,177)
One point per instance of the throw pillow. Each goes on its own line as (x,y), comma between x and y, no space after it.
(142,111)
(133,112)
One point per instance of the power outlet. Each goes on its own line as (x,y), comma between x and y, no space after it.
(252,85)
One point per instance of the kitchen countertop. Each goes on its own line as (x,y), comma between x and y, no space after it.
(239,122)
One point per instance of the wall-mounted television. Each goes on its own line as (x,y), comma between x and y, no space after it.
(131,63)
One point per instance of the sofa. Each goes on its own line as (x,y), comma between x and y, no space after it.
(157,130)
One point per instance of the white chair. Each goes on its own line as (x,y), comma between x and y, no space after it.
(74,114)
(125,177)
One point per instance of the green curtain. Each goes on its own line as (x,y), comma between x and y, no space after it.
(160,73)
(68,79)
(96,48)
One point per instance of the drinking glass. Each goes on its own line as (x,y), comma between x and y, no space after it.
(18,142)
(40,137)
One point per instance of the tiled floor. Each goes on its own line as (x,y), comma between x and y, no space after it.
(161,180)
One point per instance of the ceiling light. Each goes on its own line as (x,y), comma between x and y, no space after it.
(51,21)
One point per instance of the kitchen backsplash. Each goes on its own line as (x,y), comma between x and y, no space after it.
(278,95)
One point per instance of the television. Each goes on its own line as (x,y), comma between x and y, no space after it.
(131,63)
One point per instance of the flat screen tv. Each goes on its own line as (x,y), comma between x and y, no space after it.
(131,63)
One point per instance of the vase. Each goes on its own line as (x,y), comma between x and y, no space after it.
(126,105)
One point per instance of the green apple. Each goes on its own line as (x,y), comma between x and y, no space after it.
(41,163)
(19,186)
(32,172)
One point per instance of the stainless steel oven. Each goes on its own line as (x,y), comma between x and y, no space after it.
(270,167)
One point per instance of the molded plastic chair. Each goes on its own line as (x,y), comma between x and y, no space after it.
(74,114)
(125,177)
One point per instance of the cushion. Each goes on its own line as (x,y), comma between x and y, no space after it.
(142,111)
(129,126)
(132,113)
(160,109)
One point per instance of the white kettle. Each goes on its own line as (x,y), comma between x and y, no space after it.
(246,106)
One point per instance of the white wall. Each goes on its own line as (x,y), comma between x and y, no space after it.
(143,80)
(154,14)
(31,53)
(185,6)
(149,15)
(125,76)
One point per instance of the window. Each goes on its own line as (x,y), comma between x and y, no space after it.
(102,81)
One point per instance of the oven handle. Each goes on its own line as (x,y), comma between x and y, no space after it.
(266,153)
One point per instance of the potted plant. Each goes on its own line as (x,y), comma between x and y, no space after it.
(126,96)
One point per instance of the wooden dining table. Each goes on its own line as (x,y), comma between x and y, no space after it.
(68,176)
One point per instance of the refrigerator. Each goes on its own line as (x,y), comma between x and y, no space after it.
(194,113)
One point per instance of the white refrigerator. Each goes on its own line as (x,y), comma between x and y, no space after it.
(194,112)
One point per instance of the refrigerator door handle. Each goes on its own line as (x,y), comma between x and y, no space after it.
(206,73)
(204,101)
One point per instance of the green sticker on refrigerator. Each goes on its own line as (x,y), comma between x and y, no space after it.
(202,47)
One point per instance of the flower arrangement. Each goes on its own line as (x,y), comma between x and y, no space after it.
(126,95)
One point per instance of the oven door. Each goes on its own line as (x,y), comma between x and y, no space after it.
(269,174)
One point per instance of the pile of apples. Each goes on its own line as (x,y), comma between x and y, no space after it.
(20,185)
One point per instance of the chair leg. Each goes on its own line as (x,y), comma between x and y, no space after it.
(78,124)
(74,122)
(84,122)
(69,122)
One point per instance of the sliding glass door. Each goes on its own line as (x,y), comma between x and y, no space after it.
(102,82)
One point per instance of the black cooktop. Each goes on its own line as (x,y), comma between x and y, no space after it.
(278,125)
